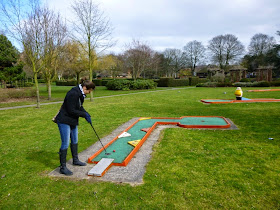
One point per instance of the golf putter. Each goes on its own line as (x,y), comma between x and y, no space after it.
(106,153)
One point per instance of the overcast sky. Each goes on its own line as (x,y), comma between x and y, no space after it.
(173,23)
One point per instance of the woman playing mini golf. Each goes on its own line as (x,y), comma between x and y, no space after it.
(67,121)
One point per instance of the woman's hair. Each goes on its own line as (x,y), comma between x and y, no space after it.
(87,83)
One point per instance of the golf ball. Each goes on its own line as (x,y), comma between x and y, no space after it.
(114,150)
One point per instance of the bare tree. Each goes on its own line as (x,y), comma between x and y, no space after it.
(194,52)
(260,44)
(38,30)
(156,64)
(138,57)
(21,24)
(92,27)
(175,61)
(54,36)
(225,49)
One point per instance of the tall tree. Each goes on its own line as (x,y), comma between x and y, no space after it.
(260,44)
(22,23)
(194,52)
(54,36)
(74,60)
(273,57)
(91,26)
(8,53)
(258,48)
(225,49)
(32,26)
(138,57)
(175,60)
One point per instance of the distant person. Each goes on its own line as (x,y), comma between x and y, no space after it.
(67,120)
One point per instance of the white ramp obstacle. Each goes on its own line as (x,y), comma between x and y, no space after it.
(101,167)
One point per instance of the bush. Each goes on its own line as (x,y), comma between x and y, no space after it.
(165,82)
(207,84)
(130,85)
(275,83)
(224,84)
(171,82)
(104,82)
(180,82)
(97,82)
(194,81)
(245,80)
(243,84)
(214,84)
(41,80)
(6,94)
(29,84)
(261,84)
(66,83)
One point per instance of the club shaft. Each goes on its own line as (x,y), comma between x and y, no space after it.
(98,137)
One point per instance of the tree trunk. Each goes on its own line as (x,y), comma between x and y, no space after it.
(49,89)
(78,78)
(37,89)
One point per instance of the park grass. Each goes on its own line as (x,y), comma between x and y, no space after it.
(189,169)
(58,94)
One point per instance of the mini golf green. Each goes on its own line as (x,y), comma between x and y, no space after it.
(122,152)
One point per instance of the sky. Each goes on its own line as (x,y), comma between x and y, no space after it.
(173,23)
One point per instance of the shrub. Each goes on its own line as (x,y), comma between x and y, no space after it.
(130,85)
(118,85)
(245,80)
(224,84)
(104,82)
(6,94)
(180,82)
(97,82)
(261,84)
(194,81)
(171,82)
(66,83)
(243,84)
(275,83)
(207,84)
(29,84)
(165,82)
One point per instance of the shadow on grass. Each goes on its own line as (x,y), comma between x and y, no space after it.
(49,159)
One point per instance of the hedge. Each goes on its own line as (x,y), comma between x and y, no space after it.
(66,83)
(171,82)
(252,84)
(97,82)
(130,84)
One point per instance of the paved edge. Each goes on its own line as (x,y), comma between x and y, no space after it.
(133,172)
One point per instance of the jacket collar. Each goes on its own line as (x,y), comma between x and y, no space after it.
(81,89)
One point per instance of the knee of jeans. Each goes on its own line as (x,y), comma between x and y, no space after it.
(63,147)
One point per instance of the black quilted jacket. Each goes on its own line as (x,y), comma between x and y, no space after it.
(72,107)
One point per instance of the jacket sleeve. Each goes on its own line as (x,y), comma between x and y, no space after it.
(73,106)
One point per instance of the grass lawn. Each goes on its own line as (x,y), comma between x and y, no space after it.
(58,94)
(189,169)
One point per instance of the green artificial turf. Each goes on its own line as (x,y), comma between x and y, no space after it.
(120,148)
(189,168)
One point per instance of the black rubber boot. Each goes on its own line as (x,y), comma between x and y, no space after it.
(76,161)
(63,168)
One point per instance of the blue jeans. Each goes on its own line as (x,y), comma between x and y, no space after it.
(67,132)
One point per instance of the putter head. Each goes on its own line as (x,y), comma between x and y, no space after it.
(107,153)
